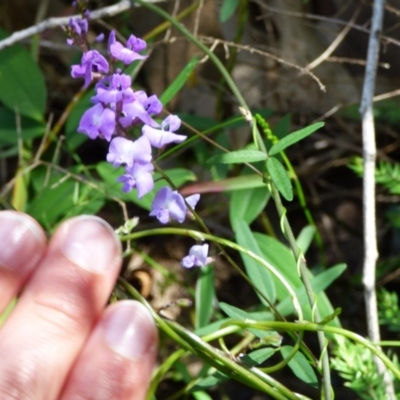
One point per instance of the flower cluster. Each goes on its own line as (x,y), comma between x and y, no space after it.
(116,108)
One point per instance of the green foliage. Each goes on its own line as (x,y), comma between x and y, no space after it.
(179,81)
(205,296)
(300,366)
(22,86)
(280,178)
(232,341)
(294,137)
(239,157)
(355,364)
(228,8)
(386,174)
(389,310)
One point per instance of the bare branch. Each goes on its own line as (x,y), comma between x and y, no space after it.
(369,211)
(52,23)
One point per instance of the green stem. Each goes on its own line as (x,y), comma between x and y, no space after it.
(311,326)
(287,230)
(221,361)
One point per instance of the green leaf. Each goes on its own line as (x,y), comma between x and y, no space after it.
(237,157)
(279,255)
(75,138)
(228,8)
(300,366)
(247,204)
(305,237)
(269,337)
(209,381)
(109,175)
(294,137)
(205,295)
(60,198)
(22,86)
(280,178)
(259,275)
(257,357)
(179,81)
(30,128)
(200,395)
(319,283)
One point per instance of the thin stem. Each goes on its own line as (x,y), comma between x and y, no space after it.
(287,230)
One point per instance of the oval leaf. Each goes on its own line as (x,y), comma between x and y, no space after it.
(238,157)
(294,137)
(300,366)
(280,178)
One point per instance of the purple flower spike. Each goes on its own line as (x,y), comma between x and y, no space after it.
(168,205)
(198,257)
(92,62)
(138,176)
(124,151)
(161,137)
(98,121)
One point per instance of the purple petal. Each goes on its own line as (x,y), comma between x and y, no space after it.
(135,43)
(111,40)
(188,261)
(160,199)
(172,122)
(120,152)
(176,207)
(159,138)
(193,200)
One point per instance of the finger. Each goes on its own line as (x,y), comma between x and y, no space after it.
(57,309)
(22,245)
(122,348)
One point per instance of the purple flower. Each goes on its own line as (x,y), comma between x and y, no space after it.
(135,44)
(129,53)
(92,62)
(152,105)
(98,121)
(161,137)
(138,176)
(134,111)
(124,151)
(114,88)
(78,26)
(170,205)
(198,257)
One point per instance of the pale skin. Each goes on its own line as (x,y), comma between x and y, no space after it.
(61,341)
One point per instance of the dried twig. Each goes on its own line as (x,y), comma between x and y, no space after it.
(369,211)
(57,22)
(253,50)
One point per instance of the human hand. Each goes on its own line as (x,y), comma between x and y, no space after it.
(59,342)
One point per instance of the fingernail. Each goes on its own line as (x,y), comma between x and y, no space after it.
(90,243)
(130,329)
(22,240)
